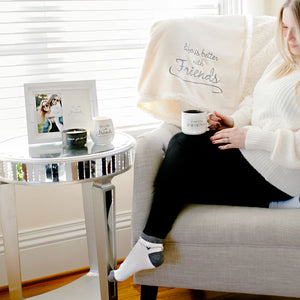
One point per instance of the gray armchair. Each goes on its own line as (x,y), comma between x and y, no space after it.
(219,248)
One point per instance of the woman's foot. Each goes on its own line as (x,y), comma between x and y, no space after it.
(143,256)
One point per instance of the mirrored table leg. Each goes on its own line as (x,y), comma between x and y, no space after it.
(90,228)
(8,220)
(104,225)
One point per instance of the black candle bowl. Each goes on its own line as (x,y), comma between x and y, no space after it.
(74,138)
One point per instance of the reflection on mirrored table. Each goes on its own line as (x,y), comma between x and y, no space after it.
(49,163)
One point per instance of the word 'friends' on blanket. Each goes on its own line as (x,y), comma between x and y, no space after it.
(197,67)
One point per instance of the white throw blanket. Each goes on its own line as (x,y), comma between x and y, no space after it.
(209,63)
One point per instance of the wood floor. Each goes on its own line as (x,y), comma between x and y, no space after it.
(127,290)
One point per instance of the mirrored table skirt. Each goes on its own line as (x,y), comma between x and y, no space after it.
(94,167)
(52,163)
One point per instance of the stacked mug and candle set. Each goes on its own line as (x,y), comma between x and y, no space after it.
(193,122)
(102,133)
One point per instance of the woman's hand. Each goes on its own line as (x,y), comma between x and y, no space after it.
(231,137)
(219,121)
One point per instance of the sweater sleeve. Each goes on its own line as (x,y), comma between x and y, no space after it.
(283,145)
(242,116)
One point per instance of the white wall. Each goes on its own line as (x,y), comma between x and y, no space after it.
(49,205)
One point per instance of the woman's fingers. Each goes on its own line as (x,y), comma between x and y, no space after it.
(230,138)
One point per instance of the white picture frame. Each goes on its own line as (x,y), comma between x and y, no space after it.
(75,108)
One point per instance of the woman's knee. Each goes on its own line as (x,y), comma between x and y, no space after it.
(186,143)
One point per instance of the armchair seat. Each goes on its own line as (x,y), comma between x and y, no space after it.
(233,226)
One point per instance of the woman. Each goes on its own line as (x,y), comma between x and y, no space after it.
(56,115)
(42,113)
(251,158)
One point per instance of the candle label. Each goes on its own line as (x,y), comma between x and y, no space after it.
(104,130)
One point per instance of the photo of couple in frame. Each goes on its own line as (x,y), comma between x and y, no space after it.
(49,113)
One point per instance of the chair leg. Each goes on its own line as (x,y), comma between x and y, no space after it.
(148,292)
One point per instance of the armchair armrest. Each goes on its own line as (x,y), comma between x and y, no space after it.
(150,150)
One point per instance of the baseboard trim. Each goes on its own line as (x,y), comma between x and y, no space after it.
(53,277)
(54,242)
(45,236)
(48,278)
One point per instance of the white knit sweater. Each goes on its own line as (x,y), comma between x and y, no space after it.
(272,117)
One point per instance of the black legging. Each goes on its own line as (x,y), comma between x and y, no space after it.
(195,171)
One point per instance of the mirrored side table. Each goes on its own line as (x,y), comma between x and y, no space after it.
(51,164)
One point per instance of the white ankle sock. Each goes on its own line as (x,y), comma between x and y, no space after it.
(292,203)
(137,260)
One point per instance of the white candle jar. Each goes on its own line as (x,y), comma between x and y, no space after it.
(102,132)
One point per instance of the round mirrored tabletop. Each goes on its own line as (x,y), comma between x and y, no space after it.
(53,163)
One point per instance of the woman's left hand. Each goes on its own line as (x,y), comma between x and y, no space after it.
(230,138)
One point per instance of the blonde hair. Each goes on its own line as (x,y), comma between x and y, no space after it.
(291,62)
(40,111)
